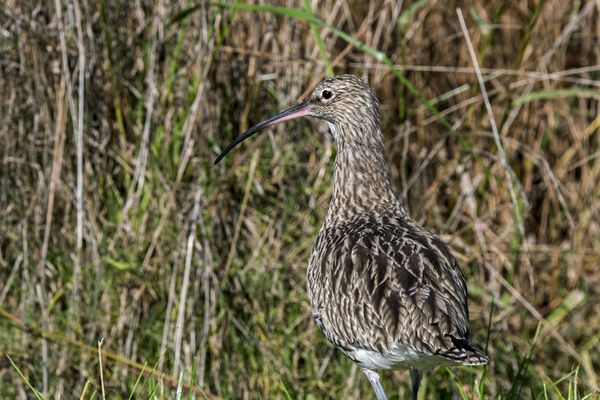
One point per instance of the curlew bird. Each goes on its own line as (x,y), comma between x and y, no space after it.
(385,291)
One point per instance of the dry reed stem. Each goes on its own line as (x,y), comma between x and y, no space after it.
(247,329)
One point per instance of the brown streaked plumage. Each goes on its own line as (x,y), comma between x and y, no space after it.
(385,291)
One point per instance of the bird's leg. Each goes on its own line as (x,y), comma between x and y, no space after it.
(415,379)
(374,379)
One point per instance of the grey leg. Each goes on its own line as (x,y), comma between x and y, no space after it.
(374,379)
(415,379)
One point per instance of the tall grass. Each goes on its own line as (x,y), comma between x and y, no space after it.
(130,267)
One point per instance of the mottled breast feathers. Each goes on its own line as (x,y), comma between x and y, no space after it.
(376,282)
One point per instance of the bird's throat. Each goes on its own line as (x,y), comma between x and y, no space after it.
(360,183)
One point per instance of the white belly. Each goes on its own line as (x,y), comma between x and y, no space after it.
(399,358)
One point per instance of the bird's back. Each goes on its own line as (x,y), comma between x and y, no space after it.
(389,294)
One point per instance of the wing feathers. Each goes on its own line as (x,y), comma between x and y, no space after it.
(376,284)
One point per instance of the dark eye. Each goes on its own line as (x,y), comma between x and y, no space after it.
(326,94)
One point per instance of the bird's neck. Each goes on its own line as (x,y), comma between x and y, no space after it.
(361,184)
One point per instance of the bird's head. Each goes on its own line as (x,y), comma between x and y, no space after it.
(346,102)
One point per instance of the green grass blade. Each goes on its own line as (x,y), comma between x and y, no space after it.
(557,94)
(37,394)
(319,41)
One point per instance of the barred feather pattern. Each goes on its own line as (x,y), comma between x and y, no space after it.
(376,282)
(384,290)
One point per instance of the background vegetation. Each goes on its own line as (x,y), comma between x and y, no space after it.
(117,233)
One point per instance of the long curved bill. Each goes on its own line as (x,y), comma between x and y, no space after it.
(299,110)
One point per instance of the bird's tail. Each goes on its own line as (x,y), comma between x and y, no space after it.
(477,357)
(466,353)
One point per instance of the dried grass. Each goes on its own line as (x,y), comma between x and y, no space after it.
(116,227)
